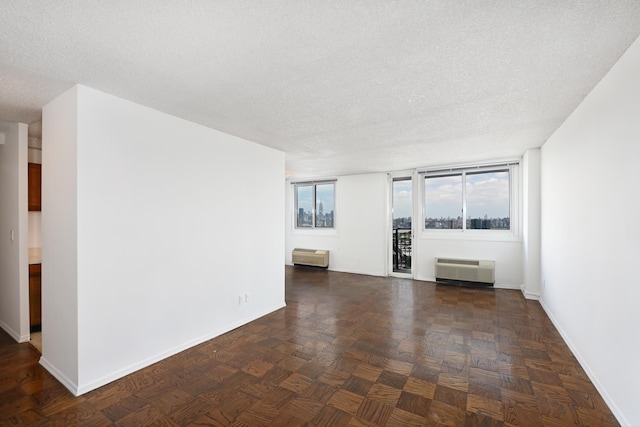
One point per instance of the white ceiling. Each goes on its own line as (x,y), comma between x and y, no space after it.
(341,86)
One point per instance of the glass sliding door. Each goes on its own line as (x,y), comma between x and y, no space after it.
(402,227)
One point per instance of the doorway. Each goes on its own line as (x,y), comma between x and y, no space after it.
(402,225)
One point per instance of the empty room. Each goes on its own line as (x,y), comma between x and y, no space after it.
(338,213)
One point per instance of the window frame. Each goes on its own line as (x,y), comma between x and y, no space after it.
(314,204)
(480,234)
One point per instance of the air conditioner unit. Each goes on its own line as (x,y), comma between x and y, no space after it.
(312,257)
(465,270)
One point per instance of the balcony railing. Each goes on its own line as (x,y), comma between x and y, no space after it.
(402,250)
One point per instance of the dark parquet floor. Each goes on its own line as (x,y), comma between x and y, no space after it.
(348,350)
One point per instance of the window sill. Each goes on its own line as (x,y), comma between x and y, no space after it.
(469,235)
(315,232)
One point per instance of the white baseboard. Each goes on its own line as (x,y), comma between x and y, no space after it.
(529,295)
(592,376)
(72,386)
(495,285)
(84,388)
(14,334)
(506,286)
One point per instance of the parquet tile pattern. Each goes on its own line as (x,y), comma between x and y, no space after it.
(348,350)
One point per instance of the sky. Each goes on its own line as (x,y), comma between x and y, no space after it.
(402,199)
(487,194)
(324,194)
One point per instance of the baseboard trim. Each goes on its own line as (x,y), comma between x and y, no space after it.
(481,285)
(15,335)
(506,286)
(529,295)
(69,384)
(84,388)
(592,376)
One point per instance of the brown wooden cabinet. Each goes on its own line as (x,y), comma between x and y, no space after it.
(35,297)
(35,185)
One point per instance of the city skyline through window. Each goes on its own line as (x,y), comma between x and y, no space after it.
(483,205)
(315,205)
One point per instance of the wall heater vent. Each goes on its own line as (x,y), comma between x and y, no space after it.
(465,270)
(312,257)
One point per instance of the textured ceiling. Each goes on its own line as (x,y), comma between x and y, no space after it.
(341,86)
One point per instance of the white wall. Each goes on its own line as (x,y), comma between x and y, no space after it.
(591,234)
(358,242)
(14,255)
(17,230)
(59,239)
(505,248)
(531,223)
(169,214)
(507,255)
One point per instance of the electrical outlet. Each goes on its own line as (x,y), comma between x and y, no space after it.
(246,298)
(240,299)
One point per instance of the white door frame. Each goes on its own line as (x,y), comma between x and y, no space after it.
(412,176)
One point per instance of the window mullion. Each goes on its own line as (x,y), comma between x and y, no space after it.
(464,201)
(313,208)
(487,199)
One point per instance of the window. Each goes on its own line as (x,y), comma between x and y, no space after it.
(314,204)
(487,195)
(476,198)
(443,202)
